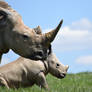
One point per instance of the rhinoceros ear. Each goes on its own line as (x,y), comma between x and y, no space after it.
(52,34)
(38,30)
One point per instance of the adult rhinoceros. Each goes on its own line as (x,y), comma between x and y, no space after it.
(15,35)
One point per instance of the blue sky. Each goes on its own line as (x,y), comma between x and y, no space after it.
(73,44)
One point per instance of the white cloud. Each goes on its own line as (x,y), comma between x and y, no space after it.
(77,36)
(83,24)
(85,60)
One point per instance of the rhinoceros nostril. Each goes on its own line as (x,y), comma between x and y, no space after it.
(39,53)
(64,74)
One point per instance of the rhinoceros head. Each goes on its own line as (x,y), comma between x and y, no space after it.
(20,38)
(56,68)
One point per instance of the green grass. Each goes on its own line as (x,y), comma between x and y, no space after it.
(81,82)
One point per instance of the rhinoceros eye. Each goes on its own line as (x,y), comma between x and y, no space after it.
(25,37)
(57,65)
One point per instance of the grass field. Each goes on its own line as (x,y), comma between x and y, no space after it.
(81,82)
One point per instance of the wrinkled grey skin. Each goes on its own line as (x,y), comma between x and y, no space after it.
(26,72)
(15,35)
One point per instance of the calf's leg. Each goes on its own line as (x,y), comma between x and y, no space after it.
(3,82)
(41,81)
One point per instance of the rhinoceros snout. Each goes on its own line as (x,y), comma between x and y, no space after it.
(63,74)
(38,56)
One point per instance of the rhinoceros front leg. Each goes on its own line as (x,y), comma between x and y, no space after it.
(3,82)
(41,81)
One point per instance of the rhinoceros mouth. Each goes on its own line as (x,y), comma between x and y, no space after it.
(61,75)
(36,57)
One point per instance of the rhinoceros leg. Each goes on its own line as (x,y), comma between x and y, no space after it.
(3,82)
(41,81)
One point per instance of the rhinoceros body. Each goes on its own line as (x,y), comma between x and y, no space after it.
(25,72)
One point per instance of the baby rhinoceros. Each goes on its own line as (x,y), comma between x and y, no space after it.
(25,72)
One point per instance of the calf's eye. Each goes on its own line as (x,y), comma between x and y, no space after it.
(57,65)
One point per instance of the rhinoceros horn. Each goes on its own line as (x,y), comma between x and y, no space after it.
(52,34)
